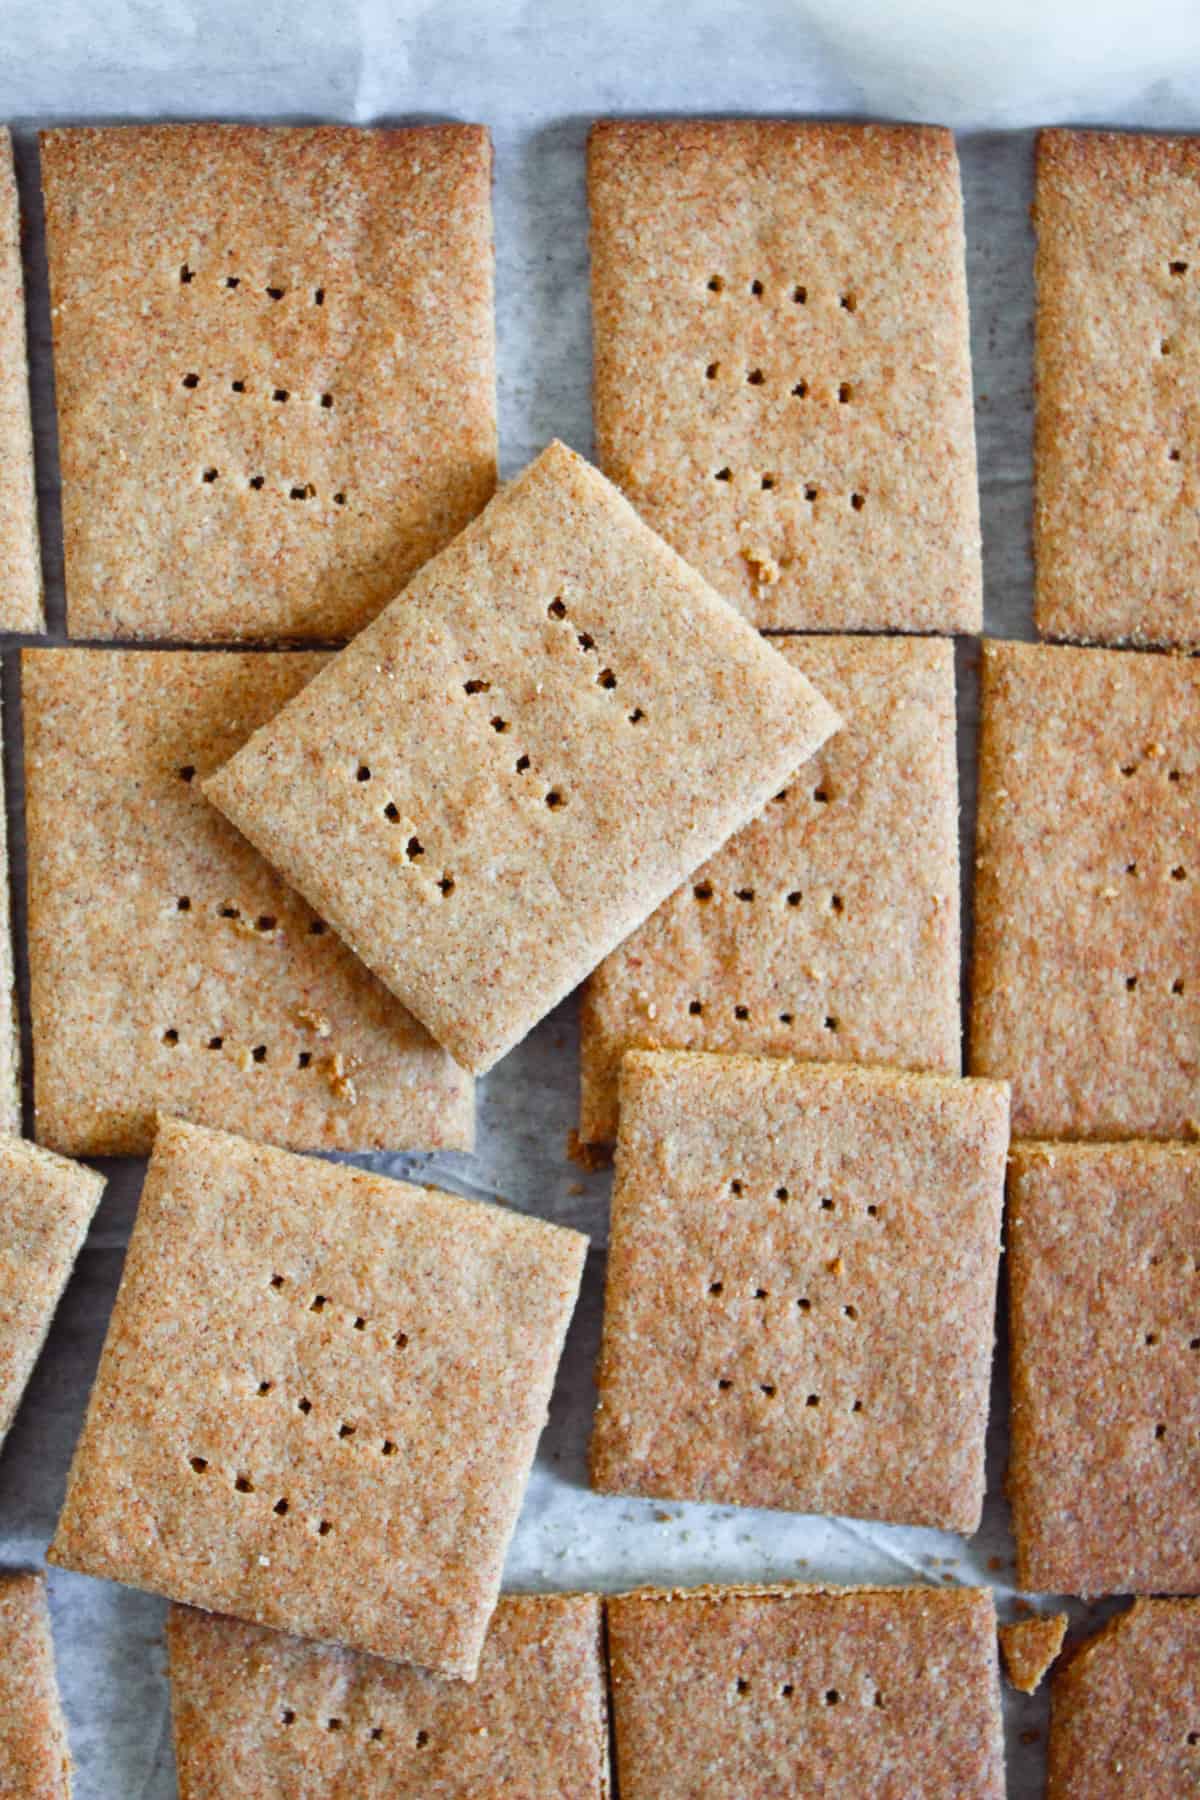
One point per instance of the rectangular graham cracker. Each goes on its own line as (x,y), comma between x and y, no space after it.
(274,361)
(20,554)
(801,1288)
(850,1693)
(511,768)
(170,966)
(1125,1708)
(1116,526)
(35,1762)
(1086,980)
(359,1374)
(828,927)
(782,367)
(259,1713)
(47,1207)
(1104,1265)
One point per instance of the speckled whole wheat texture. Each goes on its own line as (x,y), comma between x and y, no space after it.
(170,967)
(10,1031)
(505,774)
(1086,981)
(1104,1472)
(801,1287)
(829,926)
(1125,1708)
(343,1351)
(850,1693)
(1116,520)
(20,555)
(35,1762)
(1029,1646)
(254,1713)
(804,432)
(308,310)
(47,1206)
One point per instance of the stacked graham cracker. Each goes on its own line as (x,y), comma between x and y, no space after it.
(680,731)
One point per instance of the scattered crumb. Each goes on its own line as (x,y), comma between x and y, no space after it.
(1030,1646)
(588,1156)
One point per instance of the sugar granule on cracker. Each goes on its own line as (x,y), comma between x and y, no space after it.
(828,927)
(554,723)
(170,967)
(857,1693)
(274,364)
(256,1711)
(35,1762)
(801,1288)
(782,375)
(359,1371)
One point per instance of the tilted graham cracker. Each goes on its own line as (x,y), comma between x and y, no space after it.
(1029,1646)
(1086,983)
(319,1398)
(1104,1265)
(801,1288)
(851,1693)
(782,368)
(170,966)
(1125,1708)
(275,370)
(828,927)
(510,769)
(258,1713)
(48,1205)
(1116,528)
(35,1762)
(20,554)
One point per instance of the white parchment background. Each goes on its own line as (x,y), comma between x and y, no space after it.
(537,75)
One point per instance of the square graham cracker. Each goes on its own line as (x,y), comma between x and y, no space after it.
(48,1206)
(1125,1708)
(359,1372)
(170,967)
(274,361)
(828,927)
(511,768)
(782,368)
(1086,979)
(1104,1302)
(854,1693)
(20,553)
(35,1762)
(801,1288)
(1117,451)
(256,1712)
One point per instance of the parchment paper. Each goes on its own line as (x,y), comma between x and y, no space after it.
(537,76)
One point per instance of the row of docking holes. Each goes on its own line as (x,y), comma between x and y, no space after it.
(699,1009)
(825,1203)
(231,284)
(372,1734)
(753,375)
(770,483)
(794,293)
(414,849)
(280,396)
(294,490)
(786,1690)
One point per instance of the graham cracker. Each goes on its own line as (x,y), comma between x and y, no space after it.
(1116,525)
(1086,985)
(801,1288)
(170,966)
(259,1713)
(1125,1709)
(35,1762)
(782,364)
(851,1693)
(1104,1255)
(48,1206)
(20,554)
(511,768)
(828,927)
(275,370)
(10,1031)
(1029,1646)
(357,1374)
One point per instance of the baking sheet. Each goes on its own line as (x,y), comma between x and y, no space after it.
(537,76)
